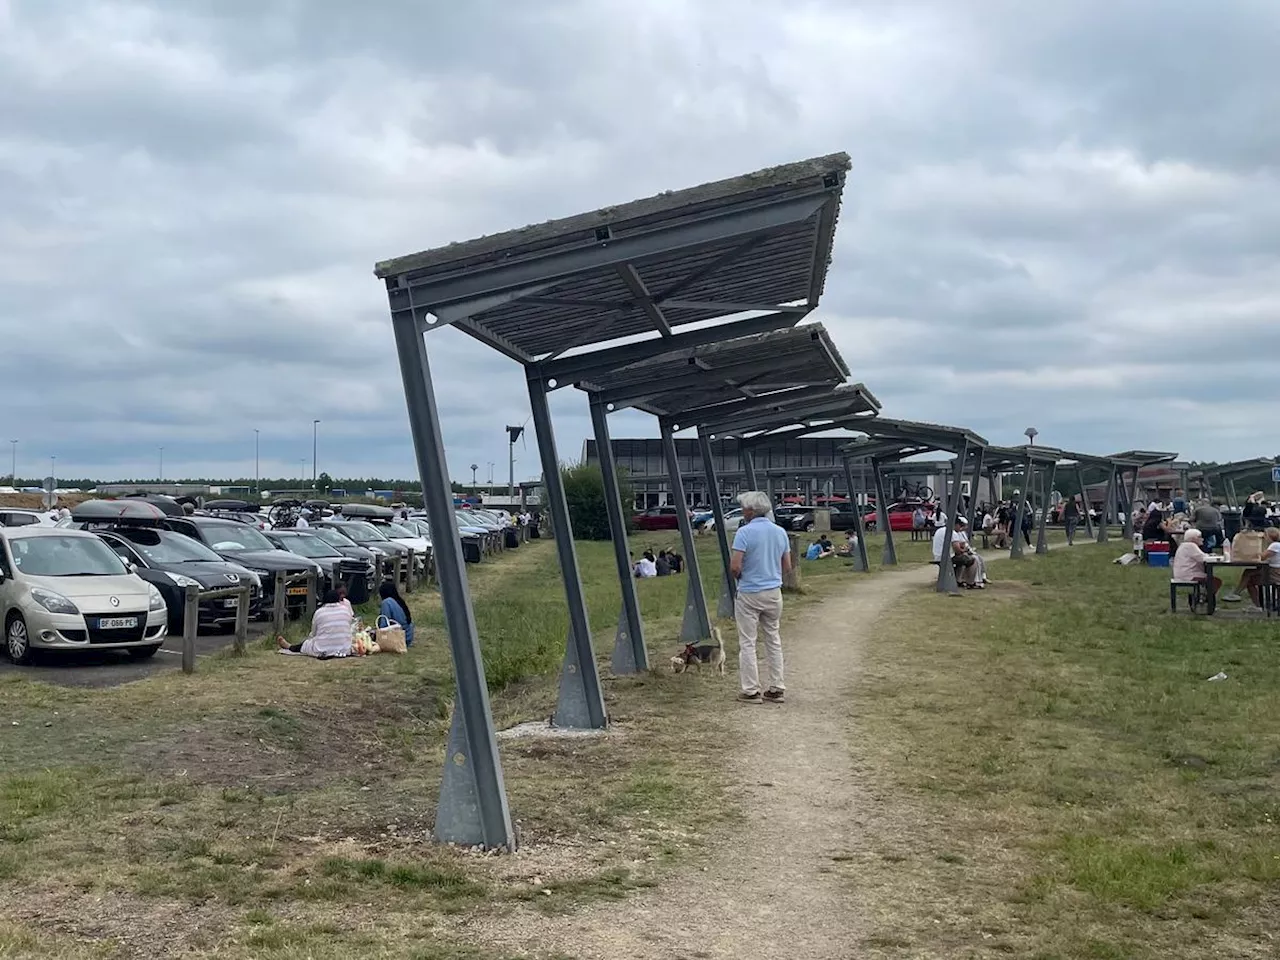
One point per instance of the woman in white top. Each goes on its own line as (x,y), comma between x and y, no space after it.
(1188,561)
(330,630)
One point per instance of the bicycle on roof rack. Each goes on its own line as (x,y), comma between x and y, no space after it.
(916,491)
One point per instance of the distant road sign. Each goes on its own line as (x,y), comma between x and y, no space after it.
(1275,474)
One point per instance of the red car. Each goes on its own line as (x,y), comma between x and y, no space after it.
(900,514)
(657,518)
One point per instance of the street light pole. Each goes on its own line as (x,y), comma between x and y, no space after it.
(162,464)
(315,440)
(13,469)
(474,468)
(257,472)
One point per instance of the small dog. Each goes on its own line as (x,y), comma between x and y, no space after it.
(697,654)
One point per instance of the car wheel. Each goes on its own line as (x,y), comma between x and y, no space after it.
(16,641)
(144,653)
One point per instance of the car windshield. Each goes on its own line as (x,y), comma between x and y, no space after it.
(332,537)
(361,532)
(306,545)
(65,556)
(466,520)
(233,537)
(157,547)
(395,530)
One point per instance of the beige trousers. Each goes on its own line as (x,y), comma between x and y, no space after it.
(759,613)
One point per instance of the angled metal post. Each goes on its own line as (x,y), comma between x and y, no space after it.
(1015,549)
(1084,502)
(975,521)
(728,588)
(749,467)
(696,624)
(629,652)
(1132,496)
(889,556)
(946,570)
(1108,504)
(860,564)
(581,700)
(473,800)
(1042,538)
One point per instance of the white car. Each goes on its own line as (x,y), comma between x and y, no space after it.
(63,589)
(17,517)
(732,520)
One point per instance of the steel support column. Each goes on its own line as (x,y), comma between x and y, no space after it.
(581,701)
(1015,549)
(860,564)
(629,653)
(946,570)
(1108,504)
(696,624)
(728,589)
(1084,502)
(1132,496)
(473,800)
(748,466)
(1042,541)
(889,556)
(975,521)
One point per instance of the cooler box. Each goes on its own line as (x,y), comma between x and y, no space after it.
(1157,552)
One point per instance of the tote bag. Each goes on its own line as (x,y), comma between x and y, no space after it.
(390,638)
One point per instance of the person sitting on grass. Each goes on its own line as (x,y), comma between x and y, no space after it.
(394,608)
(850,544)
(662,564)
(646,567)
(820,549)
(676,561)
(330,630)
(1188,561)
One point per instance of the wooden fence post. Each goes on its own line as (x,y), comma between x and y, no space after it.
(190,626)
(242,619)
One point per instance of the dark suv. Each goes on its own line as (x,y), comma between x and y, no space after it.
(242,544)
(338,568)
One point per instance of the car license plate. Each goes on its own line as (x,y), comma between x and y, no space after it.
(296,591)
(232,603)
(117,623)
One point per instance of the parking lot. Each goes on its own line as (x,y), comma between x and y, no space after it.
(110,668)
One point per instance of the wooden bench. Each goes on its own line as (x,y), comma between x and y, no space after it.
(1195,596)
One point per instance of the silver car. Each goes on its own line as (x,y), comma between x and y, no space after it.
(63,589)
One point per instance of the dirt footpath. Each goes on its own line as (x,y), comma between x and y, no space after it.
(770,892)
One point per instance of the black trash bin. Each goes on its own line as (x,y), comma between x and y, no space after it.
(471,549)
(511,537)
(1232,521)
(357,586)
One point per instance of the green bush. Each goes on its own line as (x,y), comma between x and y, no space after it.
(584,491)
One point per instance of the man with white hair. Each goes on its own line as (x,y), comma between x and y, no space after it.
(761,553)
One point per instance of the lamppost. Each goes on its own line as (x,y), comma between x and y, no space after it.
(1031,433)
(52,468)
(491,473)
(474,468)
(315,439)
(13,469)
(302,471)
(257,473)
(162,464)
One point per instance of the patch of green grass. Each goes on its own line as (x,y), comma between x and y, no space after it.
(1063,719)
(444,881)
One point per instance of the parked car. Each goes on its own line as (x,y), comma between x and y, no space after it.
(15,517)
(64,589)
(335,538)
(241,543)
(657,518)
(338,568)
(367,536)
(801,519)
(732,520)
(900,514)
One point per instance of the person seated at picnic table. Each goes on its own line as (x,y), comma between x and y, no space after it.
(394,608)
(820,549)
(1255,511)
(662,565)
(1154,528)
(330,630)
(988,521)
(971,571)
(1188,560)
(1253,579)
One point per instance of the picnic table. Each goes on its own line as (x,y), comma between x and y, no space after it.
(1211,563)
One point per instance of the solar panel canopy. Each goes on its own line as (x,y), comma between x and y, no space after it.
(759,241)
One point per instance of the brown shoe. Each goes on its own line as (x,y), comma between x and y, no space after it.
(774,696)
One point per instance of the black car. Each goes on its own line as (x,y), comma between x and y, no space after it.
(242,544)
(338,567)
(368,536)
(171,561)
(335,538)
(800,518)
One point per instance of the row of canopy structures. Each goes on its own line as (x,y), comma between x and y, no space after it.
(1220,479)
(685,306)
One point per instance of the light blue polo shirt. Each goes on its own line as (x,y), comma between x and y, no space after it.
(762,543)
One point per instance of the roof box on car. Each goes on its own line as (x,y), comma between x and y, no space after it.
(367,511)
(134,512)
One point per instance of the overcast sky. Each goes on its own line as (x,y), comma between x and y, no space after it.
(1065,215)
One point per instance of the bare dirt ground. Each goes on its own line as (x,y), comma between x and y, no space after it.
(770,890)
